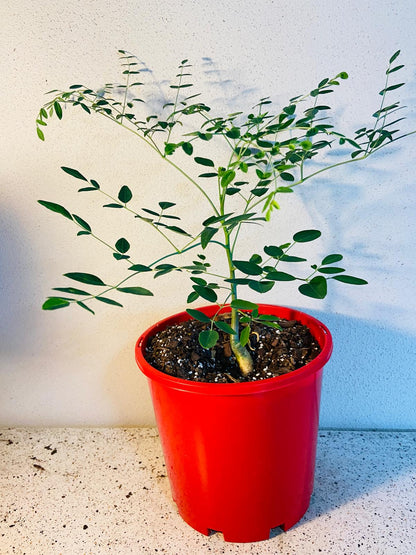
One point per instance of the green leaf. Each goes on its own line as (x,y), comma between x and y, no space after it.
(204,136)
(58,109)
(258,191)
(245,336)
(170,148)
(176,229)
(152,212)
(206,293)
(193,296)
(198,281)
(280,276)
(395,55)
(240,304)
(351,280)
(85,278)
(256,258)
(233,133)
(316,288)
(163,269)
(119,256)
(261,286)
(125,194)
(286,176)
(238,281)
(288,258)
(85,307)
(40,134)
(122,245)
(232,190)
(306,235)
(211,174)
(284,190)
(331,270)
(242,217)
(94,184)
(197,315)
(55,302)
(71,290)
(247,267)
(207,235)
(82,223)
(140,268)
(226,328)
(164,205)
(273,251)
(393,69)
(187,148)
(56,208)
(108,301)
(208,338)
(204,161)
(74,173)
(331,259)
(391,88)
(215,219)
(268,318)
(227,178)
(136,291)
(113,205)
(83,189)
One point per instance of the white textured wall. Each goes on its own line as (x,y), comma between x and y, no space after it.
(70,368)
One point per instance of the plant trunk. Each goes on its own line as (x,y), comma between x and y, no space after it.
(243,357)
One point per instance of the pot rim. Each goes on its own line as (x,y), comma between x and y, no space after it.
(317,328)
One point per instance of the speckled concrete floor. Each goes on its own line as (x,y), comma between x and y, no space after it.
(96,491)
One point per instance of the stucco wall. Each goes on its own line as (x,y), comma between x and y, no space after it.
(71,368)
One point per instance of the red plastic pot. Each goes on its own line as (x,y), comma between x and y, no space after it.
(240,457)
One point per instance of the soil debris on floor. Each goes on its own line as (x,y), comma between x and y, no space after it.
(177,352)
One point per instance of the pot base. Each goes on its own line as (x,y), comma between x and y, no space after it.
(237,534)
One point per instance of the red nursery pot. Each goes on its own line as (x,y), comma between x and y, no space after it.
(240,457)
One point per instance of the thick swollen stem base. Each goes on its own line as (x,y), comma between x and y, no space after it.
(243,357)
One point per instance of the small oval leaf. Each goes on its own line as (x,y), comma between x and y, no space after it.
(206,293)
(306,235)
(125,194)
(55,302)
(208,338)
(240,304)
(85,278)
(136,291)
(351,280)
(197,315)
(122,245)
(316,288)
(56,208)
(226,328)
(249,268)
(204,161)
(245,336)
(331,259)
(108,301)
(74,173)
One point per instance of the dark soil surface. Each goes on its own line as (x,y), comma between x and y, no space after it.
(176,351)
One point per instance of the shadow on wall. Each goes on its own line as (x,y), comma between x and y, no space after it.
(370,381)
(17,286)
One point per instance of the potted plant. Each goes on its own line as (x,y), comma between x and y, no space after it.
(235,384)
